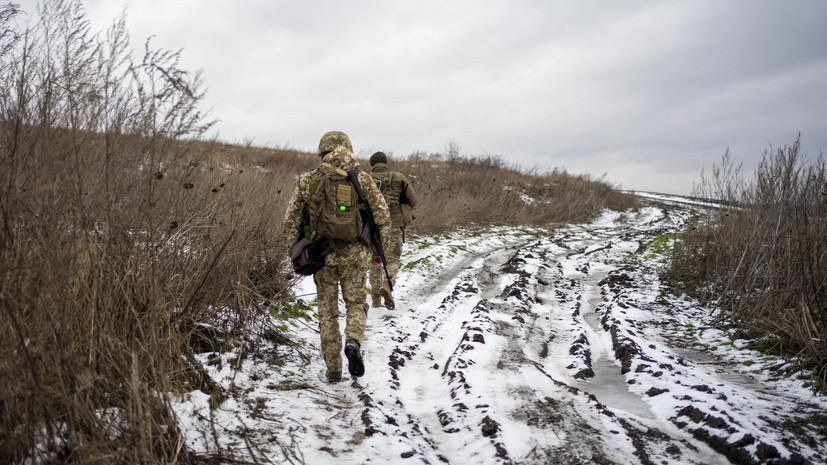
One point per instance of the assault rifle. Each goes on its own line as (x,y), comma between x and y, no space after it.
(367,217)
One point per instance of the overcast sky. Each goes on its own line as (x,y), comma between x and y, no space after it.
(644,92)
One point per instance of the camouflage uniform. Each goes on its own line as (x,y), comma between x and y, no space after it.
(393,192)
(346,267)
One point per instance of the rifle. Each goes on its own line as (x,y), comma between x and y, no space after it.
(373,230)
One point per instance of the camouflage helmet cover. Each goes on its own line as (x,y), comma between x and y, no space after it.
(332,139)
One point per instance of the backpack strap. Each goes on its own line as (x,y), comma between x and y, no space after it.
(335,169)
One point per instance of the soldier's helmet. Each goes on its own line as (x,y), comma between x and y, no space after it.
(378,157)
(332,139)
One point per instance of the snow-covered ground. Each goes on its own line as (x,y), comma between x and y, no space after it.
(527,346)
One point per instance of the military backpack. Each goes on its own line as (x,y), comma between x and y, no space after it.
(334,218)
(393,187)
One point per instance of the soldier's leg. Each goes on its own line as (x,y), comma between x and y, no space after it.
(377,278)
(393,253)
(327,292)
(353,290)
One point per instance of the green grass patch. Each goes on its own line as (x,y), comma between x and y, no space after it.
(290,309)
(764,346)
(661,247)
(427,262)
(424,262)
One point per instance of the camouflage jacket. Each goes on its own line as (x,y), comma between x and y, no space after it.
(342,158)
(396,189)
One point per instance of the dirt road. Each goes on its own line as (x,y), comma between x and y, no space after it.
(531,347)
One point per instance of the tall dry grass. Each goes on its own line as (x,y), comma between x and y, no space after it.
(118,240)
(123,236)
(762,259)
(458,190)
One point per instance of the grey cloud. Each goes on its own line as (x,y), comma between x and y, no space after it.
(648,91)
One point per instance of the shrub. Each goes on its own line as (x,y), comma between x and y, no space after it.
(761,257)
(115,240)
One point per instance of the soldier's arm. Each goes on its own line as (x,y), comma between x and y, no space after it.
(410,194)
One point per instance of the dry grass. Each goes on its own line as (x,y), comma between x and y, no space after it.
(763,258)
(462,191)
(122,235)
(117,239)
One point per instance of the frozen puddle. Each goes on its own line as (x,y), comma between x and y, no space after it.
(725,375)
(489,278)
(610,388)
(608,385)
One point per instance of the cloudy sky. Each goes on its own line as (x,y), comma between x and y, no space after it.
(645,92)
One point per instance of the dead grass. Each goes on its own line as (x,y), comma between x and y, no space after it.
(484,190)
(763,258)
(122,235)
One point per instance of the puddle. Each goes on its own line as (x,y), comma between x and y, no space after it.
(724,375)
(608,385)
(489,279)
(490,284)
(610,388)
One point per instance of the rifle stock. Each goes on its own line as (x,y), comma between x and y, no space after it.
(375,237)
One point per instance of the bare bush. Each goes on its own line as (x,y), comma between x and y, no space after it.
(762,258)
(114,246)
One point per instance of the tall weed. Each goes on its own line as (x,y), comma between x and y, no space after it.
(762,259)
(115,247)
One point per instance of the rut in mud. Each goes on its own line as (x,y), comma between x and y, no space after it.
(527,346)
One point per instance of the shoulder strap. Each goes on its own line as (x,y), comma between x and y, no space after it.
(334,169)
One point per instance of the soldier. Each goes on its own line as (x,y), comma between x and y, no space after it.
(399,194)
(345,260)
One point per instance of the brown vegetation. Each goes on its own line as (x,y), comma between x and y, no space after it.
(122,236)
(762,258)
(483,190)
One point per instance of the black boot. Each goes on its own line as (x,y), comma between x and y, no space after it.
(354,358)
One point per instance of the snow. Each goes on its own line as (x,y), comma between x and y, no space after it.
(679,200)
(483,361)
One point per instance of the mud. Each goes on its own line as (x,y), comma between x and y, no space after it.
(545,346)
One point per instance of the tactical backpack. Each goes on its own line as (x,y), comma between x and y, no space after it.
(333,208)
(387,182)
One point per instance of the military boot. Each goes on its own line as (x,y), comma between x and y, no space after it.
(376,301)
(355,365)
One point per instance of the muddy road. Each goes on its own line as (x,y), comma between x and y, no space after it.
(525,347)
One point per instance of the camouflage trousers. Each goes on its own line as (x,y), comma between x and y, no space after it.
(351,276)
(393,255)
